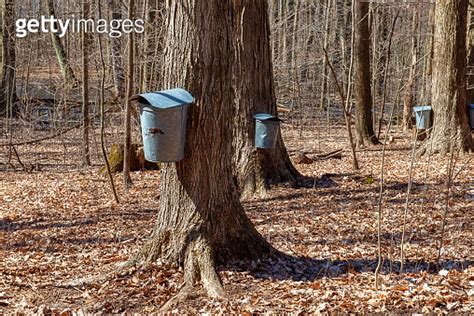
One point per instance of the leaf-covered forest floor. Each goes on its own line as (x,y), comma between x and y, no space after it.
(58,223)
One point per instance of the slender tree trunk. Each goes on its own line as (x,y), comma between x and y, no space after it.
(346,95)
(127,181)
(254,92)
(295,37)
(61,53)
(428,65)
(374,17)
(115,44)
(200,219)
(102,110)
(155,44)
(379,65)
(409,97)
(324,79)
(387,58)
(85,86)
(345,38)
(8,59)
(284,33)
(451,130)
(363,99)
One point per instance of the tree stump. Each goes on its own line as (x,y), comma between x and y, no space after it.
(137,163)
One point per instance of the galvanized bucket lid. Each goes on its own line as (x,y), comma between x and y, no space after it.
(265,117)
(166,99)
(422,108)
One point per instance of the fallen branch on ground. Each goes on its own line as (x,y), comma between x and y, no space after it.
(38,140)
(333,154)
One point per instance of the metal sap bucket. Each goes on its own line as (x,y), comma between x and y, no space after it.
(267,127)
(422,116)
(163,117)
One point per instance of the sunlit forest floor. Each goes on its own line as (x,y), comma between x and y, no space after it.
(59,223)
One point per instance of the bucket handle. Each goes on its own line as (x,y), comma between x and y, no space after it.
(155,130)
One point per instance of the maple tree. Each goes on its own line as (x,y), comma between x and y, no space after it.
(451,128)
(362,90)
(254,93)
(200,219)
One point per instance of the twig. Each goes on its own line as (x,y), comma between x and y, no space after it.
(379,203)
(347,115)
(12,147)
(102,111)
(451,167)
(407,200)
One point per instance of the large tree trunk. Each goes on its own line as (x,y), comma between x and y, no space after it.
(8,62)
(470,54)
(363,97)
(200,219)
(254,92)
(451,129)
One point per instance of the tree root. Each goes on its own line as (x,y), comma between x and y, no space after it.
(198,267)
(198,264)
(115,269)
(186,293)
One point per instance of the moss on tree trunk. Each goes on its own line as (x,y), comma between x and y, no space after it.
(138,161)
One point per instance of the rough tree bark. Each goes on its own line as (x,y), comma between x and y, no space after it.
(451,129)
(200,218)
(254,92)
(363,96)
(8,59)
(470,54)
(409,97)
